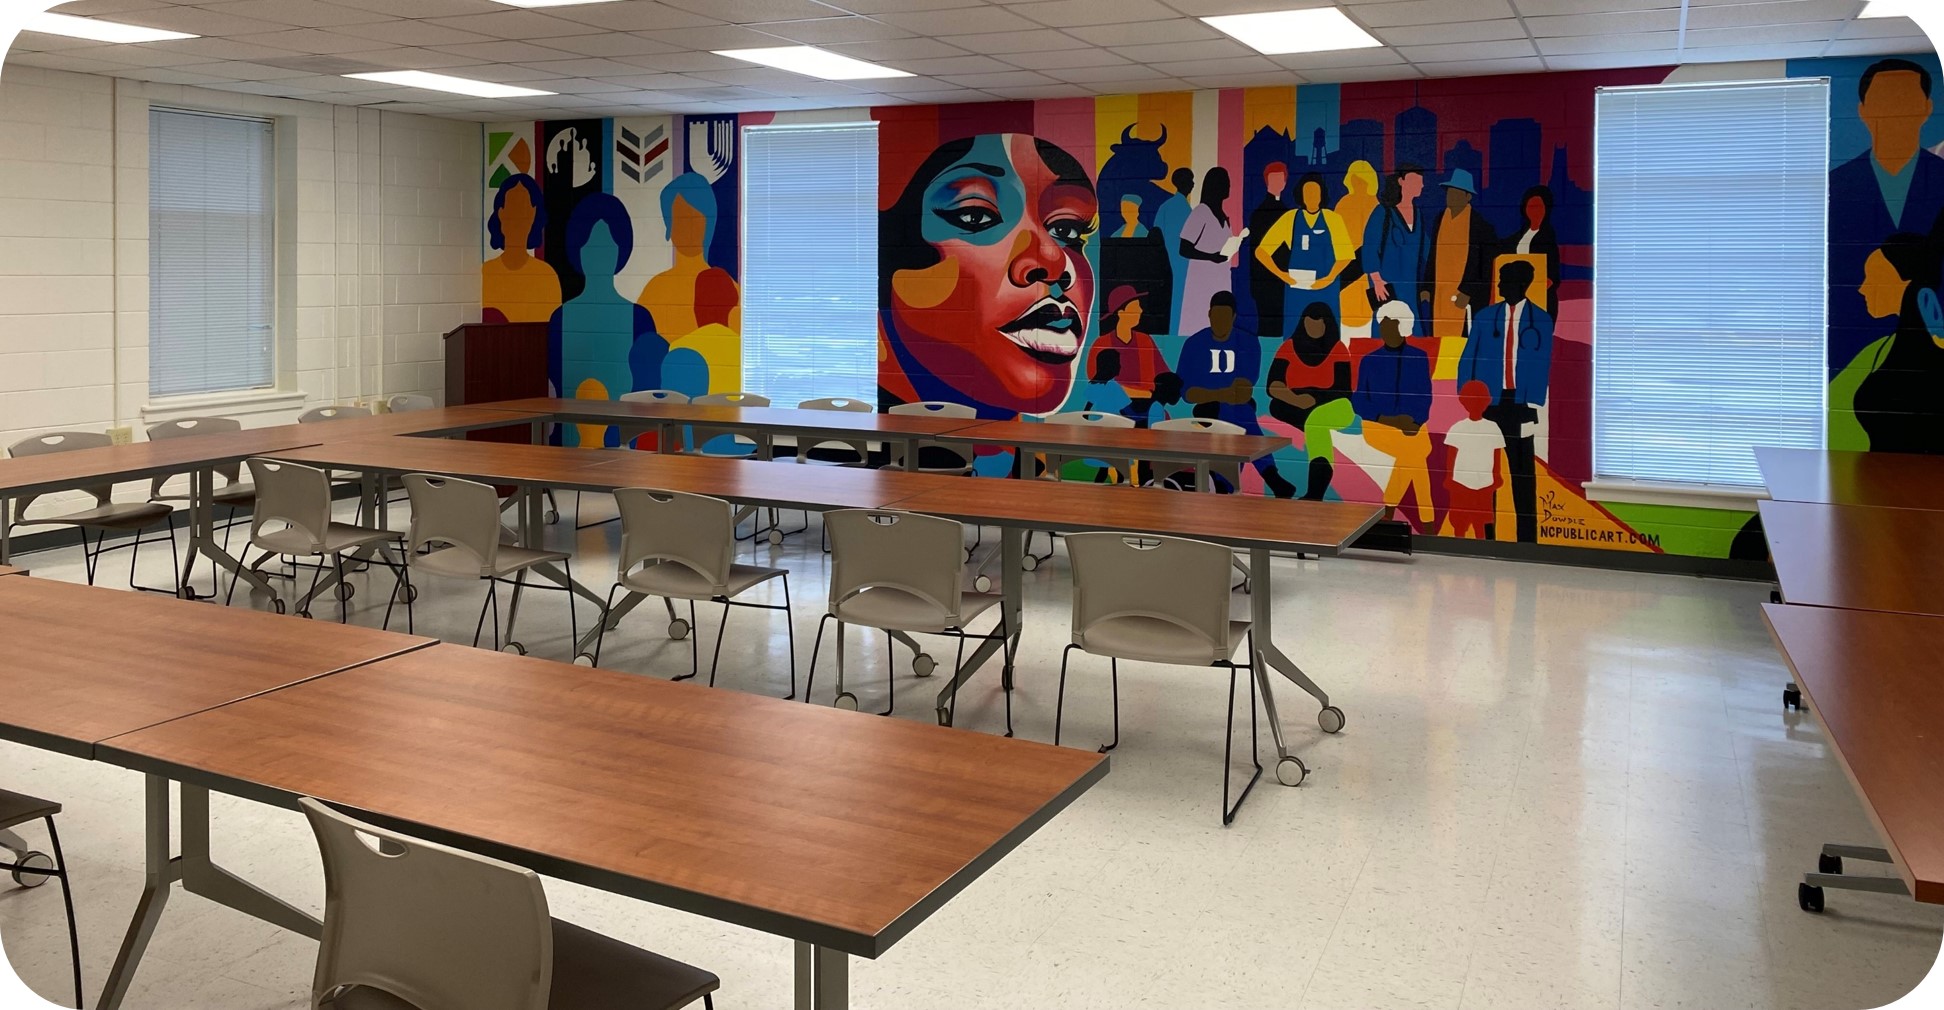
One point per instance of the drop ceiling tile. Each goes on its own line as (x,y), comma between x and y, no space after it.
(1038,93)
(754,77)
(955,65)
(1071,13)
(1876,28)
(682,62)
(1140,86)
(661,82)
(1637,42)
(406,32)
(169,75)
(267,89)
(899,49)
(1428,12)
(1278,79)
(420,8)
(1479,68)
(150,55)
(1094,75)
(892,6)
(517,25)
(506,52)
(959,21)
(803,87)
(1224,66)
(1784,12)
(824,31)
(96,8)
(237,70)
(1878,46)
(1001,79)
(62,61)
(579,86)
(586,67)
(1084,57)
(1813,31)
(315,41)
(197,21)
(296,13)
(407,58)
(633,16)
(1146,33)
(743,12)
(913,85)
(223,49)
(716,37)
(1618,23)
(1613,60)
(609,45)
(1463,31)
(1342,75)
(1205,49)
(1212,8)
(1006,43)
(501,73)
(1547,8)
(1344,59)
(1764,51)
(1468,51)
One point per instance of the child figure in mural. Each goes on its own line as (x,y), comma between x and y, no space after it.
(985,288)
(1309,390)
(1393,398)
(674,296)
(604,344)
(1140,361)
(1472,483)
(1219,367)
(516,287)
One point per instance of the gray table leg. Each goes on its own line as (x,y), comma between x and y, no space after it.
(1012,547)
(822,978)
(201,876)
(6,530)
(1289,768)
(13,843)
(202,535)
(161,871)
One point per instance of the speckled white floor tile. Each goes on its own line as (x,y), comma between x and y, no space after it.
(1558,788)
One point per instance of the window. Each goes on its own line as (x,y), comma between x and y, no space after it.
(212,253)
(1709,299)
(809,309)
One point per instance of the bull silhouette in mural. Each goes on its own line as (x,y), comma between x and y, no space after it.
(1136,167)
(1139,256)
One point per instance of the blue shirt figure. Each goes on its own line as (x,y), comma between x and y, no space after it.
(1395,249)
(1168,221)
(1394,381)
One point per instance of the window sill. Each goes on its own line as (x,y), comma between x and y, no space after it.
(1701,496)
(247,403)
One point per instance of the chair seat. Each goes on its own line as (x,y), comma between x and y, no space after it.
(235,494)
(338,537)
(591,972)
(1152,640)
(113,516)
(895,610)
(678,581)
(19,808)
(460,563)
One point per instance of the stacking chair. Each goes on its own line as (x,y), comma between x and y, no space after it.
(719,441)
(901,571)
(630,432)
(458,520)
(31,869)
(836,453)
(293,519)
(405,403)
(1055,463)
(107,516)
(234,496)
(334,412)
(1231,472)
(411,925)
(1158,600)
(683,547)
(937,457)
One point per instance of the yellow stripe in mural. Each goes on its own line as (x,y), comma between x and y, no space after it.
(1176,111)
(1111,112)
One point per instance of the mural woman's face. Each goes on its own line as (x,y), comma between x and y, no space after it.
(516,219)
(688,228)
(1002,315)
(1882,289)
(1535,213)
(601,256)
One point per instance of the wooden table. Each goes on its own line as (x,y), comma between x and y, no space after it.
(760,424)
(1198,448)
(1872,680)
(837,830)
(1832,477)
(5,570)
(1857,556)
(1255,524)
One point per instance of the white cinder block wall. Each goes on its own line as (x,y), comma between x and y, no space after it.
(378,252)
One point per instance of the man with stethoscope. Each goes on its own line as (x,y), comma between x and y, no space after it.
(1510,350)
(1318,248)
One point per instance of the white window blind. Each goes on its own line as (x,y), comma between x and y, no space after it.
(1710,204)
(212,253)
(810,248)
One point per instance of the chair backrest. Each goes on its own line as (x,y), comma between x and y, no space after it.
(405,403)
(331,413)
(732,400)
(1181,583)
(935,408)
(887,549)
(434,926)
(1210,425)
(847,403)
(463,513)
(1094,418)
(183,427)
(51,442)
(726,442)
(290,495)
(655,396)
(670,527)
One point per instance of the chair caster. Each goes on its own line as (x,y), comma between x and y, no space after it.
(278,606)
(345,591)
(922,665)
(189,593)
(1810,897)
(306,615)
(584,660)
(406,594)
(1291,771)
(944,716)
(1827,863)
(515,648)
(1330,719)
(1029,562)
(39,860)
(982,584)
(776,538)
(678,629)
(551,517)
(846,701)
(1792,697)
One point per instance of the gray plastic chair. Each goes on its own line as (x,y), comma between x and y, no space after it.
(1231,471)
(944,457)
(842,452)
(233,496)
(412,925)
(720,441)
(902,571)
(107,516)
(683,547)
(1055,463)
(32,869)
(629,432)
(405,403)
(332,412)
(1158,600)
(293,519)
(459,521)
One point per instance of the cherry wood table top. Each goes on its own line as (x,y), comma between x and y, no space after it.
(1872,681)
(782,483)
(830,827)
(1142,443)
(1237,520)
(781,419)
(114,463)
(6,570)
(84,664)
(1857,556)
(490,462)
(1833,477)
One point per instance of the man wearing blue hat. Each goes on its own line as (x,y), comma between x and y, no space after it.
(1458,274)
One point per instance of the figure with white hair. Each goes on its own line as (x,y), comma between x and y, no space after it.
(1393,398)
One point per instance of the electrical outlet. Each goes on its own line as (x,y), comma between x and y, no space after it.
(121,436)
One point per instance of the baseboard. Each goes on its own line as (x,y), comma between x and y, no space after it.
(1591,557)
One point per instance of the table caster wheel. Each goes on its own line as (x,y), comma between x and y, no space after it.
(552,517)
(776,538)
(1330,719)
(515,648)
(306,615)
(346,590)
(34,859)
(1792,697)
(846,701)
(922,664)
(278,606)
(1775,596)
(406,594)
(1290,771)
(1810,897)
(678,629)
(1029,562)
(584,660)
(189,593)
(1827,863)
(944,716)
(982,584)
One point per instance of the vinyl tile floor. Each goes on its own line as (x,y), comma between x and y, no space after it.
(1558,788)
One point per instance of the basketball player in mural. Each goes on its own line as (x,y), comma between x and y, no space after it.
(985,289)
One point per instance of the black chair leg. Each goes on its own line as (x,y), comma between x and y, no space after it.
(789,629)
(1059,700)
(715,660)
(67,899)
(1114,666)
(810,677)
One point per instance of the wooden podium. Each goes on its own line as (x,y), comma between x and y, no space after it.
(496,361)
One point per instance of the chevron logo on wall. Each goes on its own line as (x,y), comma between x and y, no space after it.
(641,156)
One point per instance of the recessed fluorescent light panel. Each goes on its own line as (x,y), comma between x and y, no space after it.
(812,62)
(455,85)
(1276,33)
(97,30)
